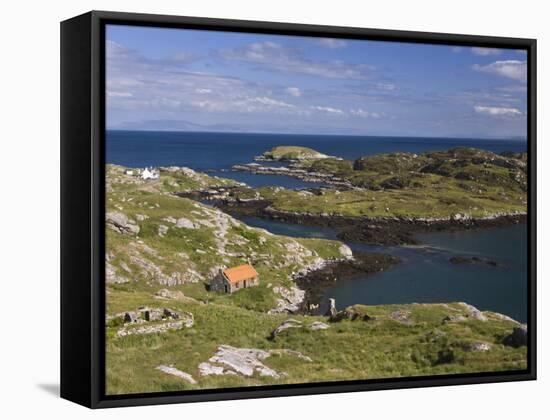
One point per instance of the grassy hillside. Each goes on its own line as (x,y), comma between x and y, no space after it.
(166,331)
(183,243)
(402,340)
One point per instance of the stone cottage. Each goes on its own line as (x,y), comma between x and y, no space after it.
(235,278)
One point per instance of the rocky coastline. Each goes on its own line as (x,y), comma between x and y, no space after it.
(295,172)
(372,230)
(316,282)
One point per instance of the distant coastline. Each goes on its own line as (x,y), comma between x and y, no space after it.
(324,134)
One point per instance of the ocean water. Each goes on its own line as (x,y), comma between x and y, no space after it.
(425,274)
(218,152)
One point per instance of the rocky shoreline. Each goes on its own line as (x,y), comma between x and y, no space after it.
(302,174)
(372,230)
(316,282)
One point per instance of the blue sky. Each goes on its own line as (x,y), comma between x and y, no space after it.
(176,79)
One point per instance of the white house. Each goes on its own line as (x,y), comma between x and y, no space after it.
(149,174)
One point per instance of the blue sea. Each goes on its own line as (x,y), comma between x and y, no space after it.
(425,274)
(218,152)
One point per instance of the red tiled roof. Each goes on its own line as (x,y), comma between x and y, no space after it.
(239,273)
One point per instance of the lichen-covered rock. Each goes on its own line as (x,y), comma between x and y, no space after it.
(317,325)
(345,251)
(229,360)
(171,370)
(289,301)
(473,312)
(477,347)
(111,275)
(402,316)
(120,223)
(243,361)
(289,323)
(162,230)
(183,222)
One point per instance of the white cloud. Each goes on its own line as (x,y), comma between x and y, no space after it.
(272,102)
(139,87)
(244,104)
(112,94)
(332,43)
(327,109)
(485,51)
(497,111)
(359,112)
(385,86)
(513,69)
(456,49)
(275,56)
(294,91)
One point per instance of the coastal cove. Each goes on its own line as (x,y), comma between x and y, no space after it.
(425,273)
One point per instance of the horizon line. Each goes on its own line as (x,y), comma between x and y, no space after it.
(513,138)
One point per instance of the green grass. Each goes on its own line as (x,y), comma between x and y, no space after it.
(348,350)
(461,180)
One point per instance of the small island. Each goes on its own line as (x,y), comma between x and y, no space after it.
(290,154)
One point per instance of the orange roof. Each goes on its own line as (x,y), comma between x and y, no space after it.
(239,273)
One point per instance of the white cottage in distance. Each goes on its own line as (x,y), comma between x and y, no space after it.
(149,174)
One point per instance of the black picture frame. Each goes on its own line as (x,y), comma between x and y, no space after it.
(83,204)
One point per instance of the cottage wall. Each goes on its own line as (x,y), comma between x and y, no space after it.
(218,283)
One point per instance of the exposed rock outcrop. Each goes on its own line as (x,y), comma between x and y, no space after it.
(229,360)
(170,294)
(317,325)
(120,223)
(477,347)
(243,361)
(289,323)
(111,275)
(454,318)
(331,311)
(401,315)
(290,300)
(473,312)
(171,370)
(518,337)
(183,222)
